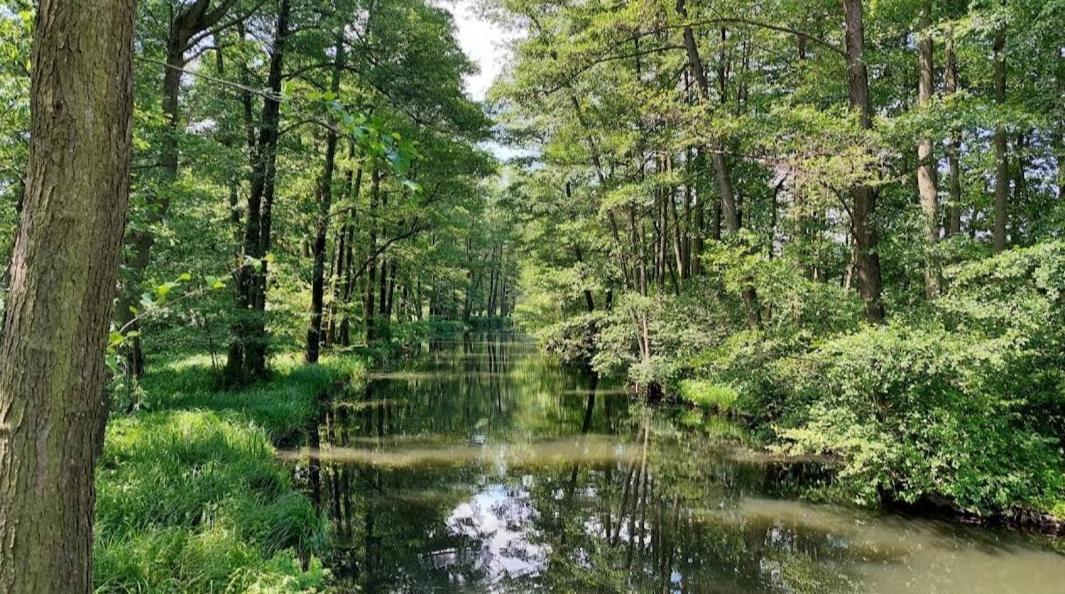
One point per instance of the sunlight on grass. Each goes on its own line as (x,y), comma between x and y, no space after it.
(191,496)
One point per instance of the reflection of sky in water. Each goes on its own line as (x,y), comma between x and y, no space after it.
(495,472)
(499,518)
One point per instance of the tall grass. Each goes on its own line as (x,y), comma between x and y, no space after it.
(190,496)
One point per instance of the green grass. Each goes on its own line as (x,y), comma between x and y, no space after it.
(708,395)
(190,495)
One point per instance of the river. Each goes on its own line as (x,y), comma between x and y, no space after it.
(482,466)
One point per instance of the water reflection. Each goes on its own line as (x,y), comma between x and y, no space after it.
(483,467)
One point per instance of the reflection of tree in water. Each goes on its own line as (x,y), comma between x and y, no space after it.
(665,520)
(670,522)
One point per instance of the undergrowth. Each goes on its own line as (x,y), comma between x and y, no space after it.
(190,496)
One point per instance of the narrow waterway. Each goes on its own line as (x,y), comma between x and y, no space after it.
(481,466)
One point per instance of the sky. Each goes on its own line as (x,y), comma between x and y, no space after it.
(485,43)
(482,41)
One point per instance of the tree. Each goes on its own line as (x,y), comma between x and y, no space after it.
(248,348)
(1002,170)
(186,28)
(926,166)
(64,272)
(863,197)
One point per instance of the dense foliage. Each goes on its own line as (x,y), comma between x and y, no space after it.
(838,221)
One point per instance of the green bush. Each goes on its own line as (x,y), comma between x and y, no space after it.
(961,399)
(965,403)
(708,395)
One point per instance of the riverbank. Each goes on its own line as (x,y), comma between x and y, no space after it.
(956,402)
(483,463)
(190,495)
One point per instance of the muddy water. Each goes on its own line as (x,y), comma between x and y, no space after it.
(480,466)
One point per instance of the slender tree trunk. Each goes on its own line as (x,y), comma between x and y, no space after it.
(926,163)
(863,196)
(1002,170)
(368,310)
(247,353)
(1020,186)
(726,194)
(325,203)
(193,19)
(343,299)
(63,278)
(950,87)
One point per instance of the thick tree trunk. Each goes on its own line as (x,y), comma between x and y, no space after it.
(926,163)
(862,195)
(1002,170)
(63,278)
(325,203)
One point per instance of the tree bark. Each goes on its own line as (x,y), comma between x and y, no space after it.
(325,203)
(64,273)
(1002,170)
(247,353)
(863,196)
(926,163)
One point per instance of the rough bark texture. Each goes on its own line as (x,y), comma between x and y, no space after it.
(64,272)
(1002,170)
(926,163)
(863,197)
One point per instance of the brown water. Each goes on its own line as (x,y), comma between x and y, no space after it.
(481,466)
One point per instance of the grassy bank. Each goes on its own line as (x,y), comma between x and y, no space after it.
(190,497)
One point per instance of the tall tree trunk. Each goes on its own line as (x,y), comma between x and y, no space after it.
(1002,170)
(191,21)
(368,310)
(1020,186)
(247,352)
(950,87)
(926,163)
(325,203)
(63,278)
(863,196)
(722,175)
(348,268)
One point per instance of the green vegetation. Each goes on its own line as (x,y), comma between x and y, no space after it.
(836,223)
(831,228)
(190,495)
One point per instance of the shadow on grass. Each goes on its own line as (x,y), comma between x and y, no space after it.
(191,496)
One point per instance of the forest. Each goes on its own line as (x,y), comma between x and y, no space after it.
(272,266)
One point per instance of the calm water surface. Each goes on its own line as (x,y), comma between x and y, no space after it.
(481,466)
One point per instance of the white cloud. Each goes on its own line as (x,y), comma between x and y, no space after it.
(483,41)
